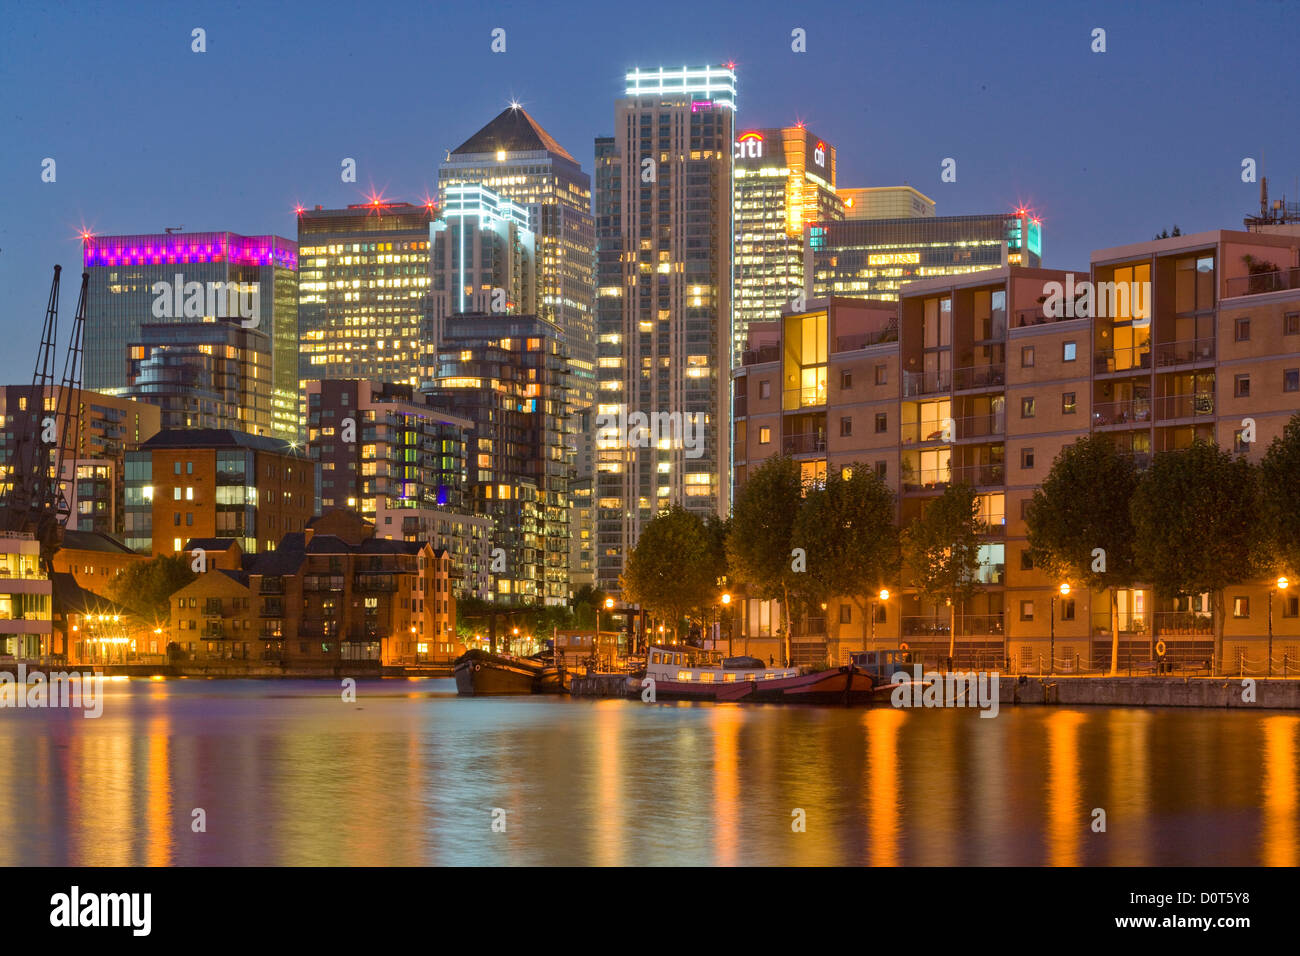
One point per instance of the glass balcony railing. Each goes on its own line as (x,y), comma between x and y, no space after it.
(1122,413)
(807,397)
(926,383)
(1185,406)
(1134,359)
(979,376)
(1262,282)
(1185,353)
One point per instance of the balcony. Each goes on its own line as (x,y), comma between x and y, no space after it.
(851,343)
(807,397)
(322,582)
(1118,361)
(936,479)
(979,475)
(271,586)
(760,355)
(967,427)
(1186,624)
(803,444)
(979,376)
(808,627)
(1189,352)
(1185,406)
(926,383)
(968,625)
(1027,317)
(213,632)
(272,609)
(374,581)
(1279,281)
(1121,413)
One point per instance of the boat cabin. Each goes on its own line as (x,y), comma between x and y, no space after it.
(688,665)
(882,665)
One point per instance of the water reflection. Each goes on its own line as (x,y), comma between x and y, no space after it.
(408,774)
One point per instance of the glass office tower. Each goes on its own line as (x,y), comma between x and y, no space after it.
(122,297)
(363,309)
(664,214)
(784,179)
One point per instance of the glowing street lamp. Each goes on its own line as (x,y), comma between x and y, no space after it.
(1065,591)
(882,597)
(1281,585)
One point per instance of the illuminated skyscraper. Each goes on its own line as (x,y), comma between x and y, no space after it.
(885,202)
(665,232)
(363,292)
(784,179)
(519,161)
(483,256)
(207,276)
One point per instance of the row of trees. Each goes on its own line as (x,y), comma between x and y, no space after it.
(1197,520)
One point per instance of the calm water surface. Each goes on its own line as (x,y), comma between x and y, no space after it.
(410,774)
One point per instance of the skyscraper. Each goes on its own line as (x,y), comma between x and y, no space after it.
(484,256)
(193,277)
(363,308)
(784,179)
(664,215)
(519,161)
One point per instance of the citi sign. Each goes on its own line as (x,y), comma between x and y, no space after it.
(749,146)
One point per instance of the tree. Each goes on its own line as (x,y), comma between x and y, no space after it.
(848,529)
(760,542)
(1194,522)
(145,587)
(1279,499)
(672,570)
(941,551)
(1080,527)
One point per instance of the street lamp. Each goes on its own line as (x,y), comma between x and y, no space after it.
(726,606)
(1282,585)
(882,597)
(1051,649)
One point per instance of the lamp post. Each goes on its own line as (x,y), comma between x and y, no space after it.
(1051,649)
(882,597)
(1282,585)
(726,608)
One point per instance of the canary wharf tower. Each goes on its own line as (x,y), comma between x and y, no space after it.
(664,237)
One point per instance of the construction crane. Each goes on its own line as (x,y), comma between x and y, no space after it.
(34,502)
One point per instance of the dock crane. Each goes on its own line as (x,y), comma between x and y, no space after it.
(45,438)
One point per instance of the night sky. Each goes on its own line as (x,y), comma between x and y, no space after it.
(1108,148)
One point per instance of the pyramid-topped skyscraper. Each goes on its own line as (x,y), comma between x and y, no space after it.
(515,158)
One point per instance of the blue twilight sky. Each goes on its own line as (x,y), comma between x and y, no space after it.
(1108,148)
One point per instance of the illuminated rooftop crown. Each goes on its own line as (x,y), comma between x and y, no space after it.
(714,83)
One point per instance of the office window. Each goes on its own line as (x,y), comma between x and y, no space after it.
(1070,351)
(1242,333)
(764,435)
(1026,408)
(1068,405)
(1027,356)
(1241,386)
(176,492)
(1026,458)
(764,389)
(1241,607)
(882,422)
(882,374)
(846,427)
(1291,323)
(1026,610)
(846,381)
(1291,380)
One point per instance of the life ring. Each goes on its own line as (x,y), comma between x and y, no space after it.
(1160,648)
(904,647)
(478,667)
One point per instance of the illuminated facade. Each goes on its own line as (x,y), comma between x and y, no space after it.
(203,375)
(122,297)
(484,258)
(872,258)
(508,376)
(518,160)
(363,307)
(784,179)
(885,202)
(664,307)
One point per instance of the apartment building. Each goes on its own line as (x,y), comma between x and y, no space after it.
(985,378)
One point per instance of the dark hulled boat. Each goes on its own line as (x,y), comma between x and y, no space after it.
(481,673)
